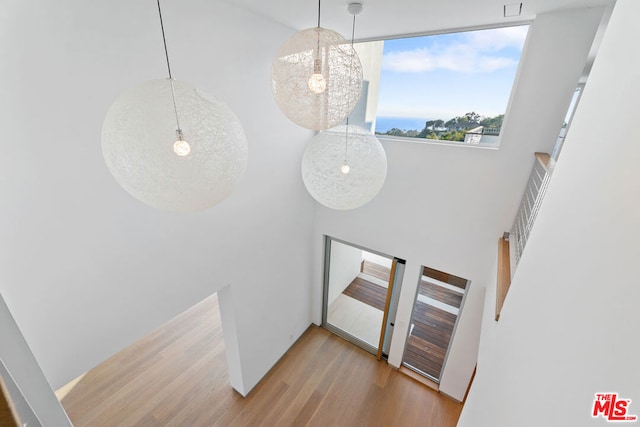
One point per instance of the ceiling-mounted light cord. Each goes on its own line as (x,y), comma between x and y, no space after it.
(346,145)
(173,91)
(318,45)
(345,167)
(353,30)
(164,40)
(317,64)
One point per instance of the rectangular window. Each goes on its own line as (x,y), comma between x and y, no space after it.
(451,87)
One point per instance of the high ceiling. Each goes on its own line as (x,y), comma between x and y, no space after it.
(386,18)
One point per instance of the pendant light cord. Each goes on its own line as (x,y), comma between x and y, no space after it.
(317,67)
(164,40)
(346,138)
(353,30)
(173,91)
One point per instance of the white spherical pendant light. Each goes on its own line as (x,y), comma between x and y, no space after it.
(344,167)
(188,166)
(316,78)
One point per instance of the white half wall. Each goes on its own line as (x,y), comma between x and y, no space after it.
(446,207)
(455,372)
(86,269)
(569,326)
(377,259)
(32,390)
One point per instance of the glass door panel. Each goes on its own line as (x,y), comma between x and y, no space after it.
(435,313)
(356,286)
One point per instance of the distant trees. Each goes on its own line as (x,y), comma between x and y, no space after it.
(492,122)
(451,130)
(400,132)
(456,135)
(434,124)
(468,121)
(430,128)
(431,135)
(395,132)
(472,117)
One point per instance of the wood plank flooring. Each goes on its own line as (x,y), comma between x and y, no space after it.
(427,345)
(367,292)
(439,293)
(177,376)
(376,270)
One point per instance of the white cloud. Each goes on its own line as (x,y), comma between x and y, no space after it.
(478,51)
(499,38)
(423,60)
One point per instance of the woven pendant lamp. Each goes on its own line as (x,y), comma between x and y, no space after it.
(344,167)
(173,146)
(316,78)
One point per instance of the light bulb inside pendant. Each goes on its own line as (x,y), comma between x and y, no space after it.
(317,83)
(323,167)
(316,78)
(181,147)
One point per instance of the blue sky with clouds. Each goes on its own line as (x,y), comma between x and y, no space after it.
(447,75)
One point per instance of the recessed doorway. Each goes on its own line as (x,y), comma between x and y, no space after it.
(361,289)
(439,300)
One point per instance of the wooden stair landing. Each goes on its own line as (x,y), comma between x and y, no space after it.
(439,293)
(376,270)
(367,292)
(428,343)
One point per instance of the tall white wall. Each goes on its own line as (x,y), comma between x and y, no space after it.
(85,268)
(345,266)
(569,325)
(445,207)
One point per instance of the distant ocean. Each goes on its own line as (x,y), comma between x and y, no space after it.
(384,124)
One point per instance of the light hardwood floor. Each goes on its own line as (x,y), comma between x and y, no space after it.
(177,376)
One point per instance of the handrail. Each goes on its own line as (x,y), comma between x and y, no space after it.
(504,274)
(530,203)
(544,159)
(526,216)
(387,304)
(8,414)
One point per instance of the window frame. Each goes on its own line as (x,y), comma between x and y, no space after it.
(498,143)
